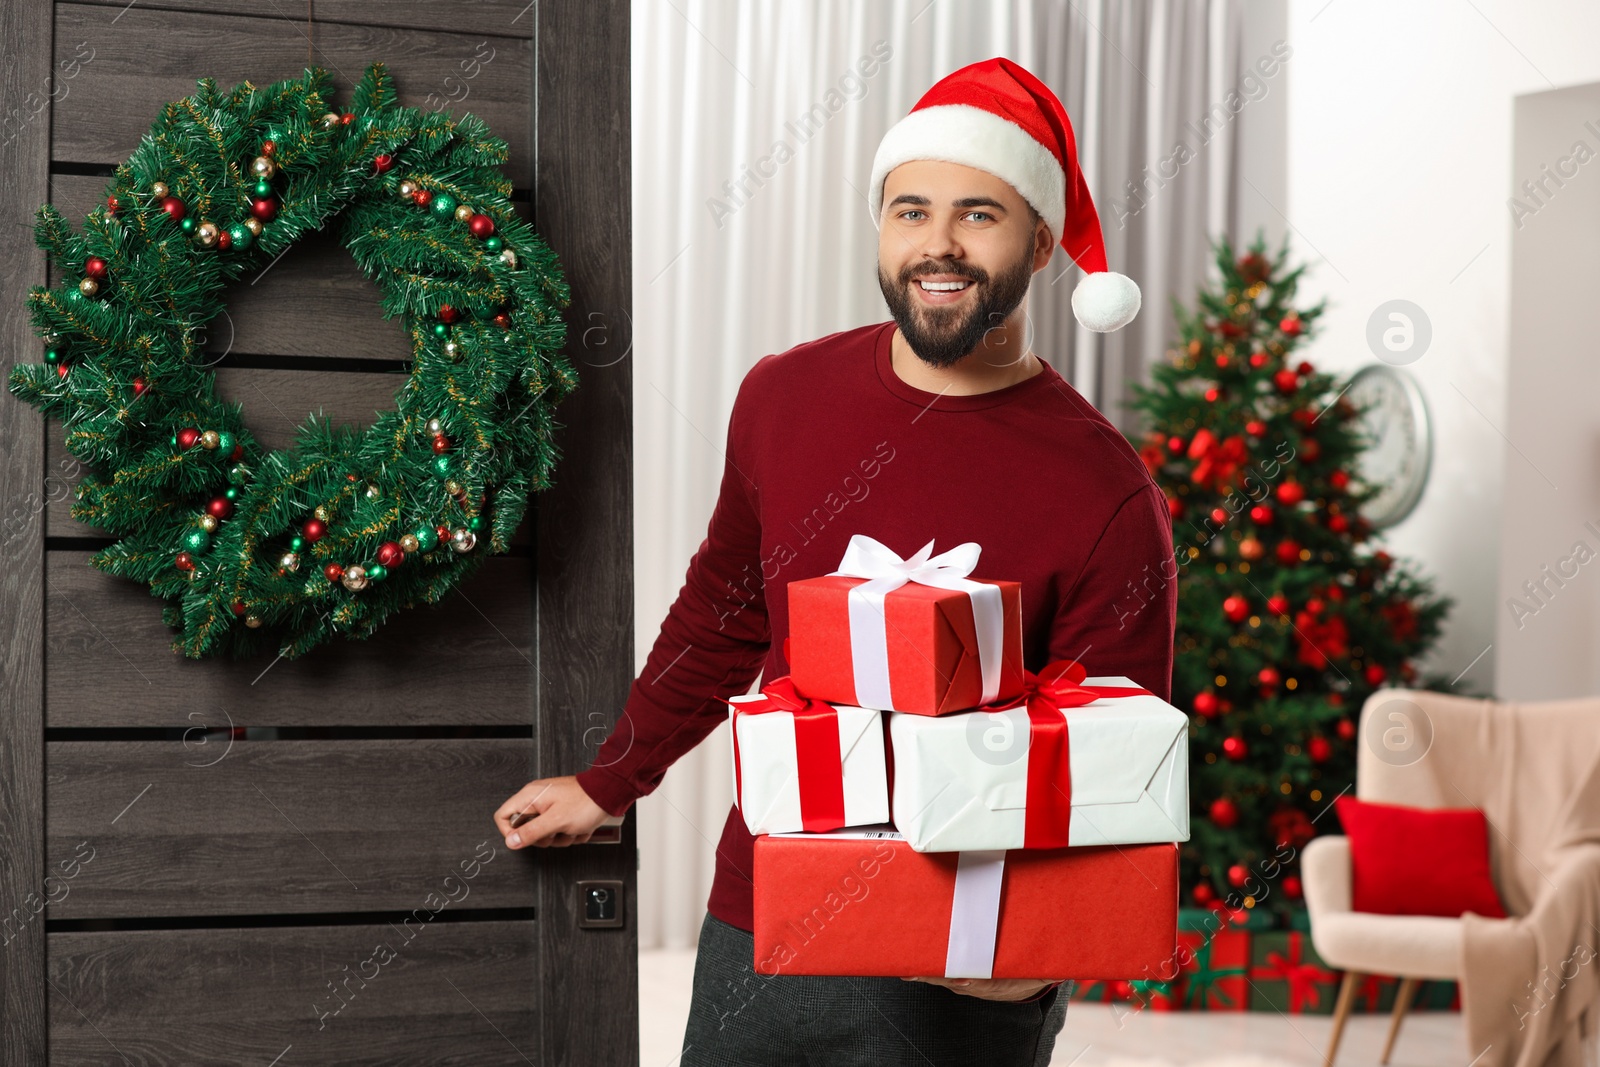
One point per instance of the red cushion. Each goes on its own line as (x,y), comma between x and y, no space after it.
(1418,861)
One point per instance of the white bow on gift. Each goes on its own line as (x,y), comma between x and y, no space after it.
(865,557)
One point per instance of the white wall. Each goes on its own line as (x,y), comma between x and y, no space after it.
(1399,169)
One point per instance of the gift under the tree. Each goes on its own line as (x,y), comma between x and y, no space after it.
(1287,975)
(862,902)
(805,765)
(915,635)
(1074,761)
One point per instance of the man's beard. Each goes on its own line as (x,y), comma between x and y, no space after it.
(941,336)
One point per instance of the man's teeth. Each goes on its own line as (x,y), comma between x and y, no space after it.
(944,287)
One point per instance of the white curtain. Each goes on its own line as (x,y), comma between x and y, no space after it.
(754,128)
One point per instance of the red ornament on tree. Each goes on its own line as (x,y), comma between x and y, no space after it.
(1203,893)
(187,437)
(95,267)
(482,226)
(1339,479)
(1224,812)
(112,205)
(1238,875)
(1346,730)
(1288,552)
(1258,359)
(138,387)
(174,208)
(1376,674)
(184,561)
(1318,749)
(224,240)
(422,198)
(313,530)
(1175,444)
(1174,506)
(1304,367)
(1286,380)
(441,443)
(1219,516)
(1310,450)
(1255,427)
(382,163)
(333,572)
(1291,325)
(1235,748)
(1261,514)
(391,554)
(503,321)
(1290,492)
(1268,676)
(448,314)
(1236,608)
(1278,604)
(220,507)
(268,147)
(265,209)
(1291,886)
(1338,523)
(1212,394)
(239,608)
(1205,704)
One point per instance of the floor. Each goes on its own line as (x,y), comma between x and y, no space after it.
(1097,1035)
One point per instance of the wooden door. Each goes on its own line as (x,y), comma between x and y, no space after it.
(293,862)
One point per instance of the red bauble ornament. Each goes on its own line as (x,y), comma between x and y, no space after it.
(61,370)
(174,208)
(1203,893)
(1346,730)
(187,437)
(1376,674)
(237,453)
(347,118)
(184,562)
(448,314)
(268,147)
(333,572)
(1255,427)
(1315,605)
(1222,360)
(1338,523)
(382,163)
(221,507)
(1212,394)
(503,321)
(1251,549)
(482,226)
(314,530)
(1258,359)
(1235,748)
(443,531)
(1224,812)
(1336,699)
(1205,704)
(239,608)
(224,241)
(1238,875)
(1174,506)
(1175,444)
(1121,989)
(391,554)
(1339,479)
(1261,515)
(1319,749)
(1268,676)
(1291,325)
(441,443)
(265,209)
(1304,367)
(1291,887)
(1286,380)
(1236,608)
(112,205)
(138,387)
(422,198)
(1219,515)
(1311,450)
(1291,492)
(95,267)
(1288,552)
(1278,604)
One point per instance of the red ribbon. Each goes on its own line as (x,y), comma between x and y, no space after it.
(1303,978)
(816,745)
(1048,816)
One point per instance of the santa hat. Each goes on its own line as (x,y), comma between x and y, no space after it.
(997,117)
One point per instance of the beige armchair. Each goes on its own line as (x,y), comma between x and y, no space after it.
(1534,770)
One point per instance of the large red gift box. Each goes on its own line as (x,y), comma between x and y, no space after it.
(861,902)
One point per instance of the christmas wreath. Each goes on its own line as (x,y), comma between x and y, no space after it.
(251,547)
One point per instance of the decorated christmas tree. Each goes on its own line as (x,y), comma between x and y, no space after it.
(1288,615)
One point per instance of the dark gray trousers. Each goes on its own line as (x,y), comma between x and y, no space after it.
(739,1018)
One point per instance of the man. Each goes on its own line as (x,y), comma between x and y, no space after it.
(939,424)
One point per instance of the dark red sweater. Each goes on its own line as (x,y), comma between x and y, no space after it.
(824,441)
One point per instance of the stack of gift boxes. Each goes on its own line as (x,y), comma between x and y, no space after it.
(926,806)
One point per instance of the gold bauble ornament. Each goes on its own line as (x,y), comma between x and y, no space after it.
(372,491)
(452,487)
(208,523)
(452,350)
(263,167)
(321,513)
(407,189)
(435,425)
(409,543)
(158,189)
(210,439)
(1251,548)
(207,233)
(354,577)
(253,224)
(330,120)
(509,258)
(289,561)
(253,621)
(463,213)
(463,540)
(88,287)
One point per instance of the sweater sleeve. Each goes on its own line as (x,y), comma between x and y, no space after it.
(712,644)
(1121,615)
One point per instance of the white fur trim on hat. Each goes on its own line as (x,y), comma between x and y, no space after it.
(1105,301)
(961,133)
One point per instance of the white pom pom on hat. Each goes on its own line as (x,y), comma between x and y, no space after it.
(997,117)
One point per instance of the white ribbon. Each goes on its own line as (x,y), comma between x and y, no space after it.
(885,572)
(975,914)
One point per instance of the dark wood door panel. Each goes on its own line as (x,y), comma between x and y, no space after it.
(507,18)
(210,825)
(141,58)
(449,993)
(468,660)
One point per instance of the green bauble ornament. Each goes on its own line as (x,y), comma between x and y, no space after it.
(377,572)
(426,537)
(225,442)
(441,464)
(263,188)
(238,474)
(187,225)
(476,523)
(441,330)
(197,540)
(492,245)
(297,542)
(232,492)
(444,205)
(240,235)
(52,356)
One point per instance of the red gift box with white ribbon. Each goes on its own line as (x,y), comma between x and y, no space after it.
(861,902)
(914,635)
